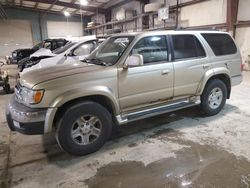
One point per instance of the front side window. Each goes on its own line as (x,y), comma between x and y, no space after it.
(111,50)
(84,49)
(153,49)
(221,44)
(187,46)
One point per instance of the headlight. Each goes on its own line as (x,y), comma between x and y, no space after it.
(14,54)
(29,96)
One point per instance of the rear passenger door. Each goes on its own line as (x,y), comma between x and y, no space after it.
(188,59)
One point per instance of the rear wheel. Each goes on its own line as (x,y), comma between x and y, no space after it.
(84,128)
(213,97)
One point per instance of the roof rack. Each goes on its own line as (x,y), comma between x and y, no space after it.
(197,29)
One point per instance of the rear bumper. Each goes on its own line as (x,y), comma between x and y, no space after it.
(236,80)
(25,120)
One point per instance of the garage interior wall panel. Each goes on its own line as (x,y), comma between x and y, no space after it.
(244,10)
(242,35)
(242,38)
(206,13)
(14,34)
(134,5)
(64,29)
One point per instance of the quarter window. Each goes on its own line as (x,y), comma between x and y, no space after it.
(153,49)
(221,44)
(187,46)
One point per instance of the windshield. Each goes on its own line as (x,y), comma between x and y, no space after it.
(111,50)
(64,48)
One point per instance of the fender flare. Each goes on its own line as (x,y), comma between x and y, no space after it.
(76,94)
(211,73)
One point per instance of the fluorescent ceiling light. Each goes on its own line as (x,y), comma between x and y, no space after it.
(83,2)
(66,13)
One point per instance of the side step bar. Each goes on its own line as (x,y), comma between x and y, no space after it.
(126,118)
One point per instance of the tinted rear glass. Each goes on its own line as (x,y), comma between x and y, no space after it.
(221,44)
(187,46)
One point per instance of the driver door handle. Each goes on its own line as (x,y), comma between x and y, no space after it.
(164,72)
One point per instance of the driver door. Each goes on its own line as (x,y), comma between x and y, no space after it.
(151,83)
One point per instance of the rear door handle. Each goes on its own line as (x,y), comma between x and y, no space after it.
(164,72)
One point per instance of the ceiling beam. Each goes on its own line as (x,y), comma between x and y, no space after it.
(37,9)
(50,7)
(36,5)
(120,3)
(70,5)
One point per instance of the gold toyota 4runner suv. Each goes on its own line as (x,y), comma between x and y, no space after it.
(128,77)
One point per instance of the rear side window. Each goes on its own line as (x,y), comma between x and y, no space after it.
(187,46)
(221,44)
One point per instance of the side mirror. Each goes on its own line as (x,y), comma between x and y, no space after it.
(134,60)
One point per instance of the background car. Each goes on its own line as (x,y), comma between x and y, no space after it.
(70,53)
(51,44)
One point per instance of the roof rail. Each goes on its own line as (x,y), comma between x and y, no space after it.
(197,29)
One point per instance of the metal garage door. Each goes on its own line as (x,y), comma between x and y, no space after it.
(14,34)
(64,29)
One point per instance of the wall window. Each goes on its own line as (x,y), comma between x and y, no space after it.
(221,44)
(187,46)
(153,49)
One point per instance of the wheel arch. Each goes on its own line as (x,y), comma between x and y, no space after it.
(60,104)
(220,75)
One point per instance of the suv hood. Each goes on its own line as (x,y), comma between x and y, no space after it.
(35,77)
(43,52)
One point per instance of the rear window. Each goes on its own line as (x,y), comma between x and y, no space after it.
(187,46)
(221,44)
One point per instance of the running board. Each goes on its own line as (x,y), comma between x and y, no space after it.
(122,119)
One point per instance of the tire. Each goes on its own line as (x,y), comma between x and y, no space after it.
(68,126)
(211,103)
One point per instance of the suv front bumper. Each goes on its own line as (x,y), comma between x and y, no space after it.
(24,119)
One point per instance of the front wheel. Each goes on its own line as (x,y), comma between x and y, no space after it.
(84,128)
(213,97)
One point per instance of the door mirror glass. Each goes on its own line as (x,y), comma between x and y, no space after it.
(134,60)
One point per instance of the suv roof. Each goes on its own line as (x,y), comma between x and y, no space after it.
(167,32)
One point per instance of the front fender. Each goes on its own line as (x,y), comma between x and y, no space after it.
(85,92)
(74,94)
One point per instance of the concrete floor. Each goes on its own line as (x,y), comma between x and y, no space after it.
(180,149)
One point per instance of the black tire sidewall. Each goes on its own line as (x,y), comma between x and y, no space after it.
(205,95)
(63,133)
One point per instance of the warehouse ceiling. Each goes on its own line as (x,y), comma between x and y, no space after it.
(60,6)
